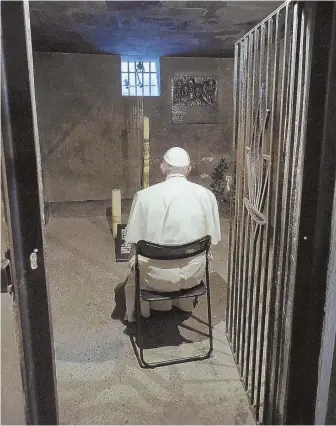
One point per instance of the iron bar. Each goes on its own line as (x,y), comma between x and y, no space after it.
(269,382)
(234,144)
(286,192)
(258,230)
(269,211)
(292,225)
(235,223)
(252,49)
(240,179)
(240,297)
(258,54)
(247,124)
(250,304)
(256,311)
(263,91)
(247,246)
(242,214)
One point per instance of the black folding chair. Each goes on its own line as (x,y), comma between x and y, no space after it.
(161,252)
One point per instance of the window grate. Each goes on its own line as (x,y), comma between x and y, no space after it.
(139,78)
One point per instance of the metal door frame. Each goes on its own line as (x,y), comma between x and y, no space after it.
(23,202)
(315,228)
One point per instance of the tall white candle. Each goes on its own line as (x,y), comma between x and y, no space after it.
(146,128)
(116,210)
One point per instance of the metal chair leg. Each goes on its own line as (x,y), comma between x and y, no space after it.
(209,306)
(140,352)
(209,320)
(139,328)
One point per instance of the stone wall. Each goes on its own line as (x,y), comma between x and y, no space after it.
(85,132)
(206,143)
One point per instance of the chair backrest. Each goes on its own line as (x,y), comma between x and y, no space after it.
(173,252)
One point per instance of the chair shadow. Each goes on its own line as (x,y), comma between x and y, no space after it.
(161,329)
(174,327)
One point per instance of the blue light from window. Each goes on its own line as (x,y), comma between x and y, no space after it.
(139,78)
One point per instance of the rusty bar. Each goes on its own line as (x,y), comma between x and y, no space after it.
(235,206)
(251,297)
(242,217)
(240,294)
(293,223)
(256,278)
(247,247)
(256,54)
(253,117)
(256,142)
(256,230)
(240,160)
(247,283)
(236,221)
(261,92)
(230,292)
(269,210)
(261,202)
(247,125)
(256,311)
(246,250)
(269,382)
(285,202)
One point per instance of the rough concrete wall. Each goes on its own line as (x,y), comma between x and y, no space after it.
(202,141)
(81,119)
(85,125)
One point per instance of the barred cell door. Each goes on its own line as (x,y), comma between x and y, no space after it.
(271,77)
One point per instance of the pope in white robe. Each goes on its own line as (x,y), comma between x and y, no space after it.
(173,212)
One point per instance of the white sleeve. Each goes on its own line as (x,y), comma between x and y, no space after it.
(136,222)
(214,222)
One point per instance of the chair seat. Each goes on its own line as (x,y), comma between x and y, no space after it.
(151,296)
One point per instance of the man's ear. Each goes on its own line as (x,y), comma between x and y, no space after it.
(188,170)
(162,169)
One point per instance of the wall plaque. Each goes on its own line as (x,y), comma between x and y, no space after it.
(194,99)
(122,248)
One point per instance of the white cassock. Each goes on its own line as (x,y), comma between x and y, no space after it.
(173,212)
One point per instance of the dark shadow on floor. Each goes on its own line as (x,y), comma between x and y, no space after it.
(175,327)
(109,216)
(161,329)
(120,302)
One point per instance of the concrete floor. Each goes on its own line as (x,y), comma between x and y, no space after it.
(98,378)
(12,399)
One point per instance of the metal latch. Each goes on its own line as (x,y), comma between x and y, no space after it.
(33,259)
